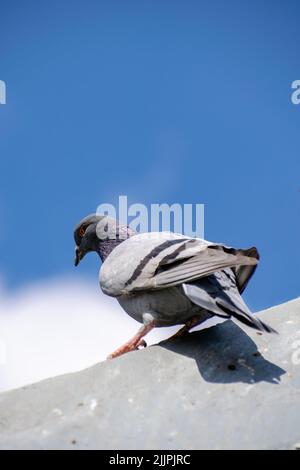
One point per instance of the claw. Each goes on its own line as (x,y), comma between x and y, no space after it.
(142,344)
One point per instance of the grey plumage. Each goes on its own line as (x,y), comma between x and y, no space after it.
(168,278)
(218,294)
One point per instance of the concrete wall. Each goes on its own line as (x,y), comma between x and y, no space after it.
(220,388)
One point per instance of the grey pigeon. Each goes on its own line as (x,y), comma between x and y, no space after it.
(164,278)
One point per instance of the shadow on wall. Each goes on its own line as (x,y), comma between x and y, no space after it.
(226,354)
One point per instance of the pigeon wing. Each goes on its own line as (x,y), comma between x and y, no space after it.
(219,294)
(159,260)
(203,262)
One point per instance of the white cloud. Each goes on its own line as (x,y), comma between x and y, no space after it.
(60,326)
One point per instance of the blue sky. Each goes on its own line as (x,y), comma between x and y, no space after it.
(164,101)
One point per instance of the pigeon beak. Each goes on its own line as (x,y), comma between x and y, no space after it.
(78,256)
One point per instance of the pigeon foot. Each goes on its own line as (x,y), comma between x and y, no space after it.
(186,328)
(135,343)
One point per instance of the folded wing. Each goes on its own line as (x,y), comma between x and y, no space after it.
(202,263)
(218,294)
(159,260)
(181,260)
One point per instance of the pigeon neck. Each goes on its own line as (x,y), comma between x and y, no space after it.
(105,247)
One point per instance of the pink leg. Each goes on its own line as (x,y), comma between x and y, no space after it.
(186,328)
(134,342)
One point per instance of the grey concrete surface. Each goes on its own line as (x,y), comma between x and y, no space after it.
(220,388)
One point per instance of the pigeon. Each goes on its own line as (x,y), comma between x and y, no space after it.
(165,279)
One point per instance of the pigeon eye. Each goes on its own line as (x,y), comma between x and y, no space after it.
(81,231)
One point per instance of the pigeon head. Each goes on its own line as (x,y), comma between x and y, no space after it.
(99,233)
